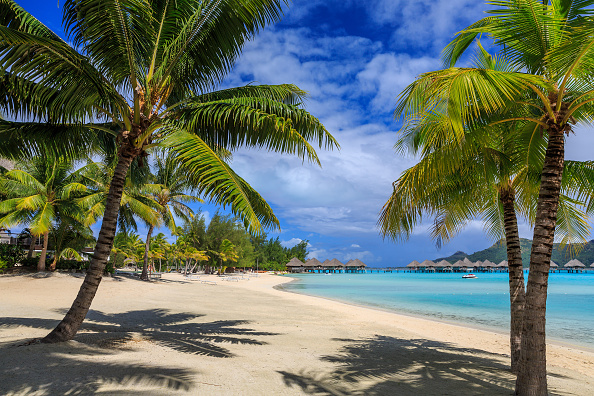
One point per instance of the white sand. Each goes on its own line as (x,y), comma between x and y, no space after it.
(246,338)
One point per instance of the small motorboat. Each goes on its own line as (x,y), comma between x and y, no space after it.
(469,276)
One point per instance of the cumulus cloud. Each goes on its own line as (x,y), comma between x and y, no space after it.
(291,242)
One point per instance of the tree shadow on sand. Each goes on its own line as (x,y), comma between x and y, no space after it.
(393,366)
(104,334)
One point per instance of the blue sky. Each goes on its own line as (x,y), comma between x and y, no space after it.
(353,57)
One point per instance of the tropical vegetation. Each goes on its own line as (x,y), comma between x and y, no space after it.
(145,75)
(549,48)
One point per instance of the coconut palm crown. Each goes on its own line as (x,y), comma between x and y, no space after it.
(144,72)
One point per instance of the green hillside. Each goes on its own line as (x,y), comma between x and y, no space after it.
(497,253)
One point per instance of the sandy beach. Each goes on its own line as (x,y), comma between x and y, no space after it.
(178,336)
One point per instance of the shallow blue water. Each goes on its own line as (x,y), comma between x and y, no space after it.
(480,302)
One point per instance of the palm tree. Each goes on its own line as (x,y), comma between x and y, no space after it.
(68,238)
(169,191)
(41,193)
(553,45)
(134,203)
(146,72)
(227,252)
(130,245)
(483,174)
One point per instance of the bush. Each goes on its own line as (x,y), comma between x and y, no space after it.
(30,262)
(72,264)
(3,265)
(10,255)
(109,268)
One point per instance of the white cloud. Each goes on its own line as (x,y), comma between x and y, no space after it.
(354,245)
(291,242)
(387,74)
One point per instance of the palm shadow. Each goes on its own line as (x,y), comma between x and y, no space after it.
(394,366)
(174,330)
(60,369)
(104,334)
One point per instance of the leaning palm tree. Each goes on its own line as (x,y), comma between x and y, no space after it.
(170,190)
(144,72)
(41,193)
(487,174)
(554,46)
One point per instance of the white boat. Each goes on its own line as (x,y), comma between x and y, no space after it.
(469,276)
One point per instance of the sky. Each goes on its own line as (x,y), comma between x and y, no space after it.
(353,58)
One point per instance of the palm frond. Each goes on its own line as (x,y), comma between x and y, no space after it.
(215,180)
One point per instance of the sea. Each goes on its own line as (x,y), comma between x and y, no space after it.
(482,302)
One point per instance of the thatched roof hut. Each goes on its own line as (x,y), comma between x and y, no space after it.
(575,263)
(592,265)
(326,263)
(443,264)
(478,263)
(503,264)
(295,262)
(427,263)
(467,262)
(413,264)
(356,263)
(488,263)
(335,263)
(313,262)
(458,264)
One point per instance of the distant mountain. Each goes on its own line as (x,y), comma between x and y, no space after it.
(497,253)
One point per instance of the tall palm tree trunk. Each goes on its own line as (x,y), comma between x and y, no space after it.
(68,327)
(532,377)
(41,262)
(144,275)
(517,294)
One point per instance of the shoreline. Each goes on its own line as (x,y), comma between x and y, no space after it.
(499,331)
(178,336)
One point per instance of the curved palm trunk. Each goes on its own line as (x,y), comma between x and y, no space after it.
(41,262)
(144,275)
(54,263)
(31,247)
(532,376)
(68,327)
(517,295)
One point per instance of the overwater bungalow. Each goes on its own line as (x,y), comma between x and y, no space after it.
(574,265)
(413,266)
(502,266)
(443,266)
(295,265)
(355,265)
(488,266)
(592,265)
(313,265)
(427,266)
(334,265)
(458,266)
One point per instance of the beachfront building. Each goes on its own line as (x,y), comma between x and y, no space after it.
(413,266)
(553,267)
(354,266)
(488,266)
(502,266)
(295,265)
(427,266)
(575,265)
(313,265)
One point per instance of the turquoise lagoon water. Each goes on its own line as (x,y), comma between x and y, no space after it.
(482,302)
